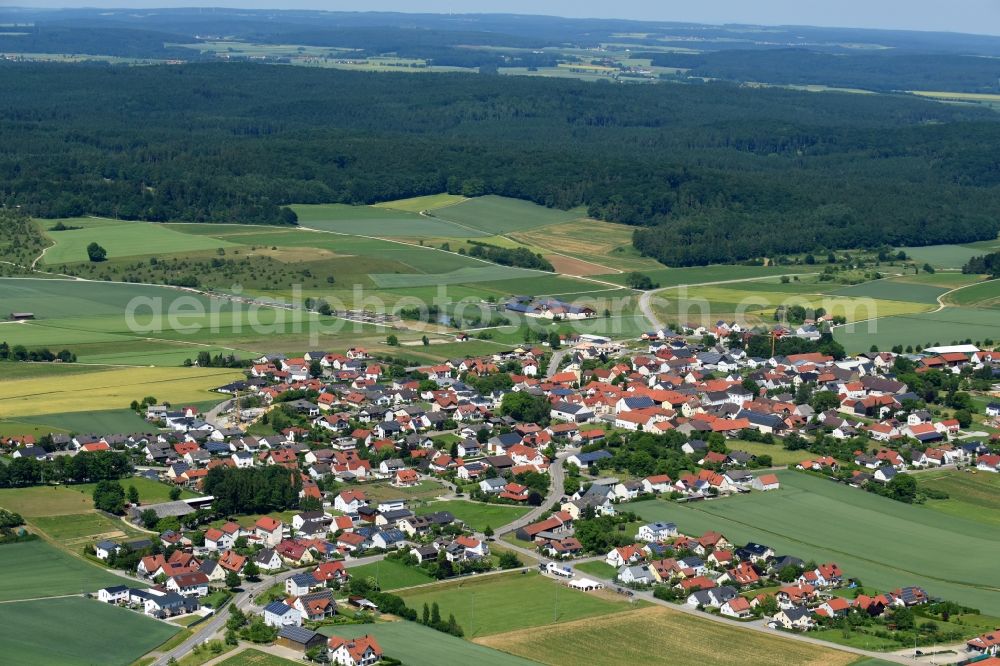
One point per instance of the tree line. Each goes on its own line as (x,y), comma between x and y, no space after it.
(706,173)
(82,468)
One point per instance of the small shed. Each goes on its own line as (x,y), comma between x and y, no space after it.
(21,316)
(299,638)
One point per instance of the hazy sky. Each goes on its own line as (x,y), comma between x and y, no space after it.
(973,16)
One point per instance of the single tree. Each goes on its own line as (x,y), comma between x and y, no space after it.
(96,252)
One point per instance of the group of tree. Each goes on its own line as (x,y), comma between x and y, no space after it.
(521,257)
(253,489)
(22,353)
(987,263)
(709,167)
(81,468)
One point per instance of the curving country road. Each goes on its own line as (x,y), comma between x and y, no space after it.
(557,477)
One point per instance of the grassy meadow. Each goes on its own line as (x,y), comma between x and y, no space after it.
(391,575)
(501,603)
(972,496)
(883,542)
(120,239)
(477,515)
(499,215)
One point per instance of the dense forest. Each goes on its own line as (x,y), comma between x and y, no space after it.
(706,173)
(987,263)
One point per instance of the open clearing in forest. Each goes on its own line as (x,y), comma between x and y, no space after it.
(501,215)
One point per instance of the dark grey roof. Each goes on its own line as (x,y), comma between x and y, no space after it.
(297,634)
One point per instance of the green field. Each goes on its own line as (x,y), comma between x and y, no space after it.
(475,514)
(943,256)
(100,421)
(971,496)
(660,636)
(944,326)
(482,272)
(891,290)
(500,215)
(779,454)
(599,569)
(35,569)
(391,575)
(509,602)
(399,640)
(89,632)
(884,543)
(45,501)
(121,239)
(150,492)
(427,202)
(676,277)
(982,294)
(382,220)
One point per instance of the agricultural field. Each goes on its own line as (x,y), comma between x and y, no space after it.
(880,541)
(384,220)
(979,295)
(419,204)
(120,239)
(84,627)
(45,571)
(943,326)
(944,256)
(477,515)
(970,496)
(659,635)
(251,657)
(108,389)
(100,421)
(501,603)
(399,638)
(391,575)
(499,215)
(678,277)
(602,243)
(893,290)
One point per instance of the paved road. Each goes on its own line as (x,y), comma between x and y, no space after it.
(557,357)
(557,476)
(244,601)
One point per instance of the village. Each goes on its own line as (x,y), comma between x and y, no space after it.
(553,434)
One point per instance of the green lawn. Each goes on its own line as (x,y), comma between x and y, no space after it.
(401,640)
(884,543)
(602,570)
(779,454)
(89,632)
(44,501)
(426,489)
(495,604)
(391,575)
(122,239)
(37,569)
(971,496)
(477,515)
(500,215)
